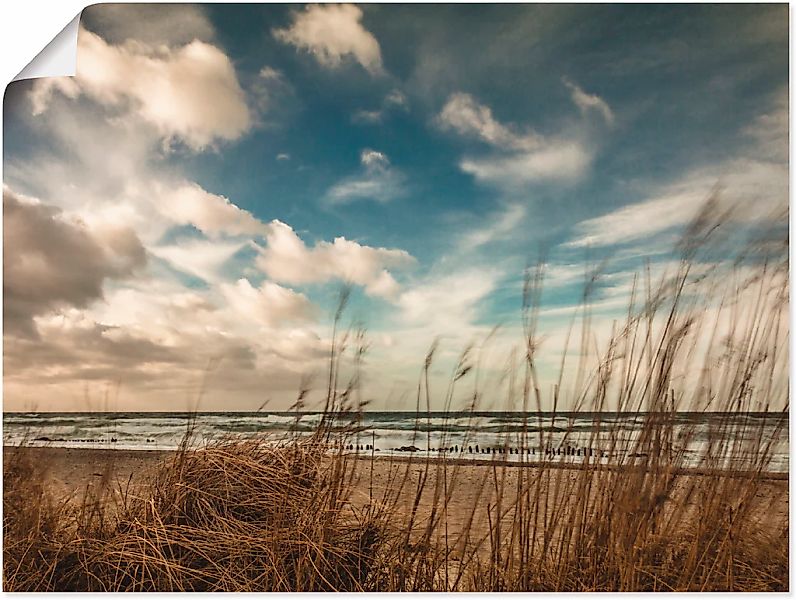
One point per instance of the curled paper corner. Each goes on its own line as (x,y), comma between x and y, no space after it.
(58,58)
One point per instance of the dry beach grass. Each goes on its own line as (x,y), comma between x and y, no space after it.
(245,515)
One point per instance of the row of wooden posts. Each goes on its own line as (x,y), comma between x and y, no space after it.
(560,451)
(477,449)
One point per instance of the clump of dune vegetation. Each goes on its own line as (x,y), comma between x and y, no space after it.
(246,515)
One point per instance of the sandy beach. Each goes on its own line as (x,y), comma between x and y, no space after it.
(471,485)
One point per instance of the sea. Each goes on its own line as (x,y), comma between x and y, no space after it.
(699,439)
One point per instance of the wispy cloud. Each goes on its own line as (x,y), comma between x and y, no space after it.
(502,224)
(589,102)
(638,221)
(270,94)
(204,259)
(465,115)
(521,156)
(558,161)
(394,100)
(377,180)
(754,183)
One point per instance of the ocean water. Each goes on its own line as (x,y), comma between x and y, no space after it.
(573,437)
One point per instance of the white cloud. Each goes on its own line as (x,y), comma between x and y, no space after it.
(287,259)
(466,116)
(167,313)
(331,32)
(589,102)
(201,258)
(212,214)
(378,181)
(158,309)
(753,190)
(448,302)
(190,93)
(518,157)
(638,221)
(270,304)
(559,161)
(374,159)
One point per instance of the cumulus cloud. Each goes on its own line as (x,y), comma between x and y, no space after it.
(518,156)
(72,345)
(190,93)
(287,259)
(52,262)
(269,305)
(157,337)
(212,214)
(378,180)
(169,314)
(332,32)
(78,357)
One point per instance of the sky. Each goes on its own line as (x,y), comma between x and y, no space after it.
(181,217)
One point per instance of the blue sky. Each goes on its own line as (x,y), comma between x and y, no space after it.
(200,191)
